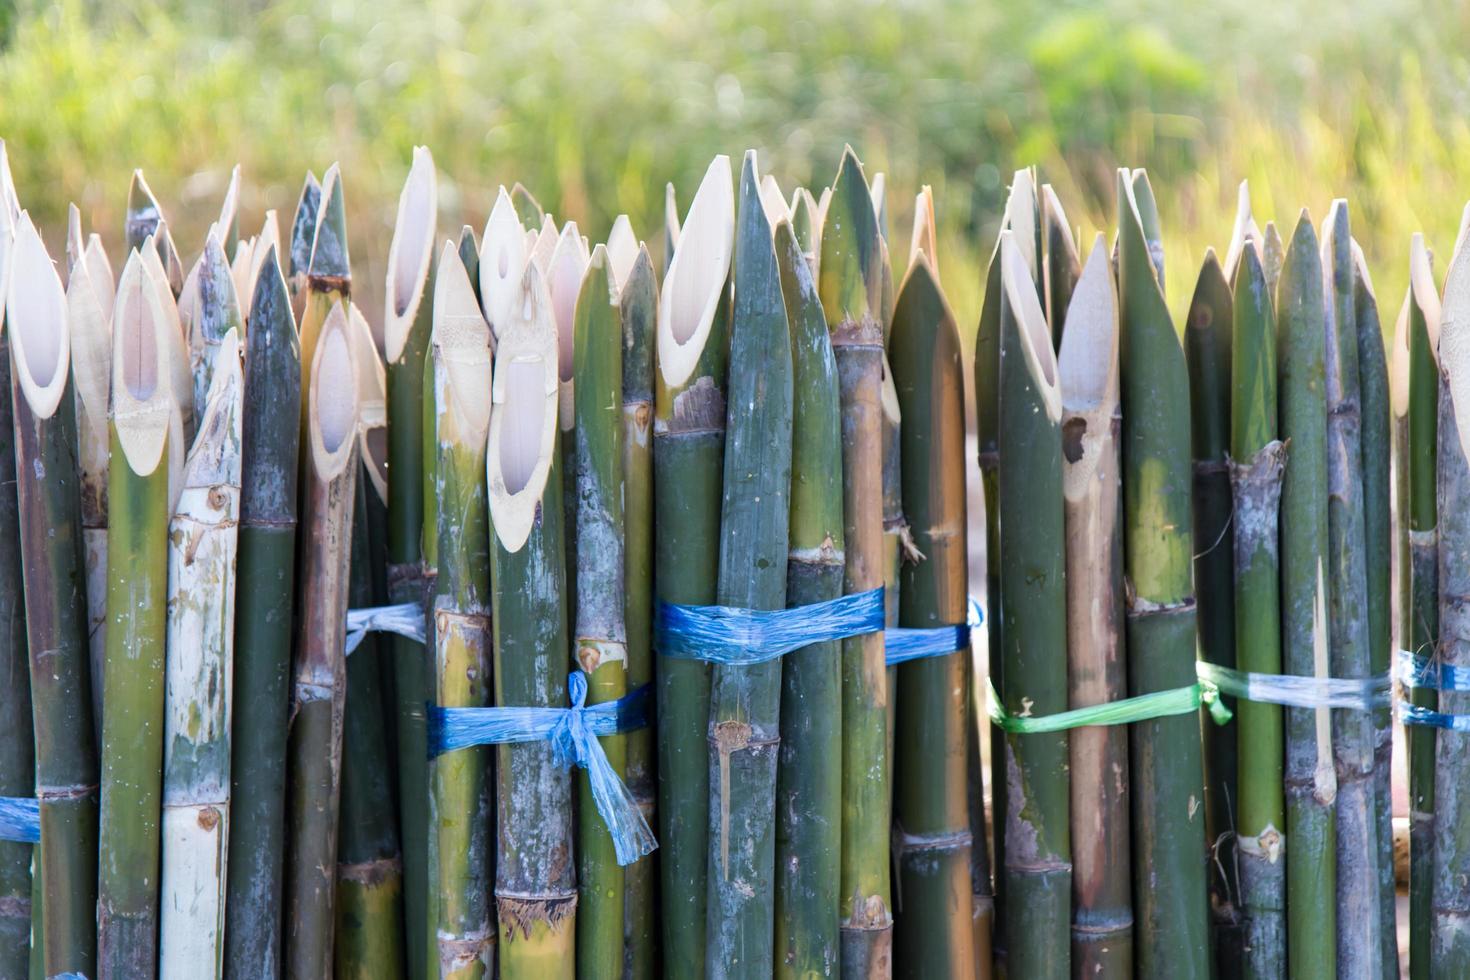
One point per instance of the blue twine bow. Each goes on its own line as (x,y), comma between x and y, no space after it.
(902,644)
(405,619)
(20,819)
(573,734)
(727,635)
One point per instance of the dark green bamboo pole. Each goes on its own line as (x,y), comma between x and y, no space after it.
(745,700)
(1311,780)
(933,934)
(809,779)
(688,466)
(302,235)
(1062,264)
(1258,458)
(1170,888)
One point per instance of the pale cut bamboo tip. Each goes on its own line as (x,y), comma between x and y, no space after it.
(1398,367)
(9,203)
(461,340)
(925,236)
(503,257)
(523,419)
(410,252)
(1244,232)
(695,283)
(229,209)
(622,251)
(372,401)
(36,309)
(1025,306)
(564,280)
(1088,360)
(543,245)
(260,246)
(214,459)
(773,202)
(878,193)
(89,323)
(329,258)
(1052,205)
(143,407)
(1454,342)
(332,416)
(1020,218)
(1421,282)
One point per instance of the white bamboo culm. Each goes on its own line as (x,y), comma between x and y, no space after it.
(198,671)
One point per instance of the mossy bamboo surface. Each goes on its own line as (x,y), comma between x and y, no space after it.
(809,776)
(460,808)
(850,284)
(46,531)
(1311,780)
(1171,935)
(933,934)
(688,462)
(1258,458)
(329,479)
(1097,669)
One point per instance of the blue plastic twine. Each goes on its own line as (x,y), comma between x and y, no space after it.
(405,619)
(20,819)
(1417,671)
(573,734)
(726,635)
(902,644)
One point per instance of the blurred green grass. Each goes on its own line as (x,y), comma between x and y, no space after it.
(594,106)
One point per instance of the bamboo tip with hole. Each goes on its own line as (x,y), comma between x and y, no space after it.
(1087,364)
(1031,329)
(142,399)
(332,416)
(410,252)
(37,313)
(461,341)
(695,281)
(503,258)
(329,259)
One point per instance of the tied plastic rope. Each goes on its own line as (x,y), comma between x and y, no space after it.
(902,644)
(1417,671)
(405,619)
(1160,704)
(726,635)
(1295,691)
(20,819)
(573,734)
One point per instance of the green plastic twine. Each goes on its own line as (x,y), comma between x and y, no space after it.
(1160,704)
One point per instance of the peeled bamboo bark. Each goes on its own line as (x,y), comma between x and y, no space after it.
(1311,780)
(535,887)
(199,666)
(688,448)
(319,681)
(1097,669)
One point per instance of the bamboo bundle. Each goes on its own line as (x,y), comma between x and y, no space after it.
(1171,935)
(318,685)
(50,559)
(1102,913)
(199,658)
(1311,779)
(265,577)
(407,321)
(688,448)
(849,285)
(745,700)
(144,413)
(535,888)
(809,778)
(933,934)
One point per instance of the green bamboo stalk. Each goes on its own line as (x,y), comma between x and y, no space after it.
(809,777)
(671,226)
(264,575)
(1449,944)
(407,321)
(1148,219)
(1207,347)
(806,223)
(1420,375)
(1258,460)
(319,677)
(1359,943)
(688,455)
(745,701)
(47,527)
(1097,670)
(1062,266)
(850,283)
(1038,869)
(535,890)
(143,413)
(1170,889)
(460,804)
(934,935)
(203,535)
(639,311)
(1311,780)
(527,207)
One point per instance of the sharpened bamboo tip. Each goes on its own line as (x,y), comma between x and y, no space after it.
(564,277)
(410,251)
(924,239)
(329,258)
(332,418)
(695,282)
(622,250)
(503,258)
(1025,309)
(142,402)
(461,341)
(1088,359)
(36,312)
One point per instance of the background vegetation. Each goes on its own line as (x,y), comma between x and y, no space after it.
(595,105)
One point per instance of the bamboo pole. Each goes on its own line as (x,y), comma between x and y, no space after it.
(535,888)
(688,454)
(319,682)
(265,576)
(469,256)
(1102,904)
(933,934)
(217,314)
(460,805)
(143,415)
(181,382)
(1311,780)
(50,560)
(503,263)
(1170,891)
(198,667)
(407,321)
(328,279)
(565,269)
(806,223)
(303,234)
(809,777)
(1062,265)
